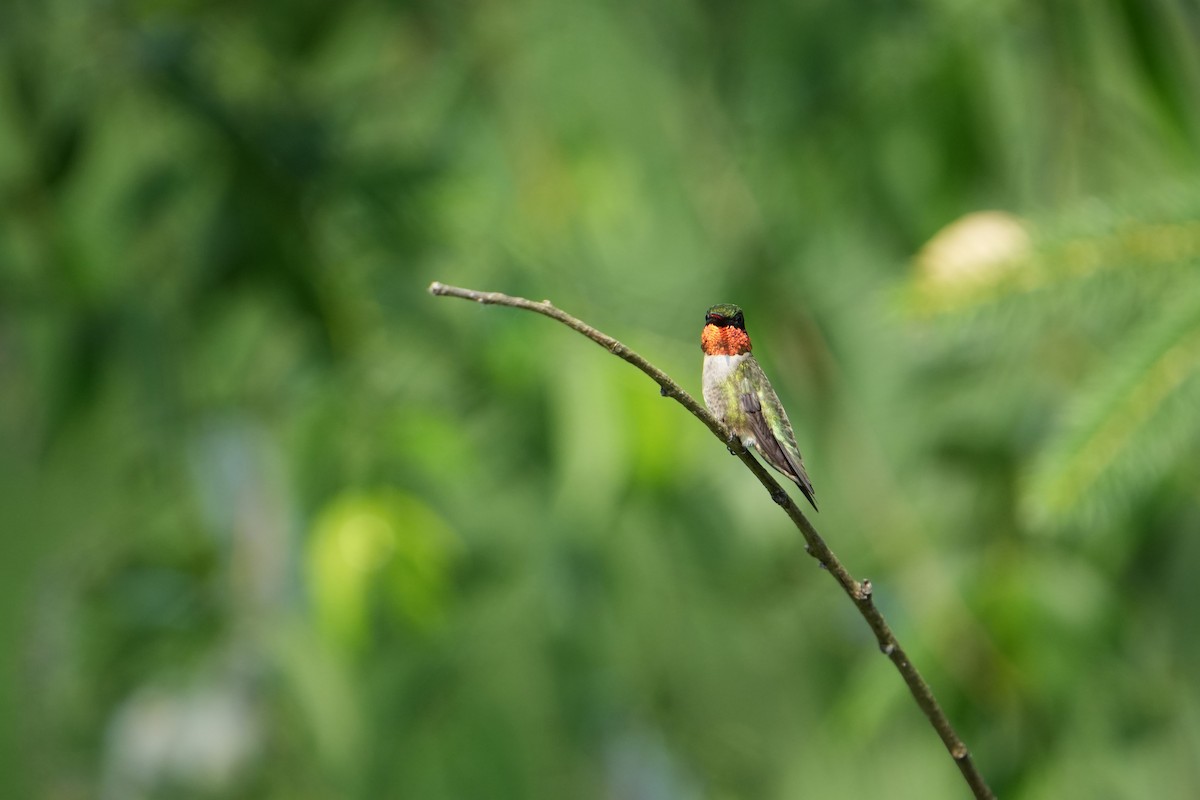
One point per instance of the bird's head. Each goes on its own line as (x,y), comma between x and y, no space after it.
(724,331)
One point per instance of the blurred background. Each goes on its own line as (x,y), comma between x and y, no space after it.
(276,523)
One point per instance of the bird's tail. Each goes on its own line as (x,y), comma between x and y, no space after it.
(806,486)
(800,476)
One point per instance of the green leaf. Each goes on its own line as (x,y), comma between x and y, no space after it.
(1128,428)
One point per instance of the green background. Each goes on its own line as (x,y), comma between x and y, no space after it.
(276,523)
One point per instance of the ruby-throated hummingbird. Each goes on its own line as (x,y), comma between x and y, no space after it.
(738,393)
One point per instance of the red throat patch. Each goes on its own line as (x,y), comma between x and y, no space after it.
(727,341)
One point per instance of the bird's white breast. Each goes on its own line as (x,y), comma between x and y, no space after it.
(717,371)
(718,368)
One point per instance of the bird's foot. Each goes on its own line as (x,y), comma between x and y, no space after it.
(780,497)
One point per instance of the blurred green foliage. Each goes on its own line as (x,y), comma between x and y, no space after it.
(279,524)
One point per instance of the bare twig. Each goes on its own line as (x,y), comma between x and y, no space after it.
(859,592)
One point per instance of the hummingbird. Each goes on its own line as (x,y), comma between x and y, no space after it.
(737,392)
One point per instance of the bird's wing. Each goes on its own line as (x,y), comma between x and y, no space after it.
(782,454)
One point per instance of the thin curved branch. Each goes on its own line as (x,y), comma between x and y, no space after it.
(859,592)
